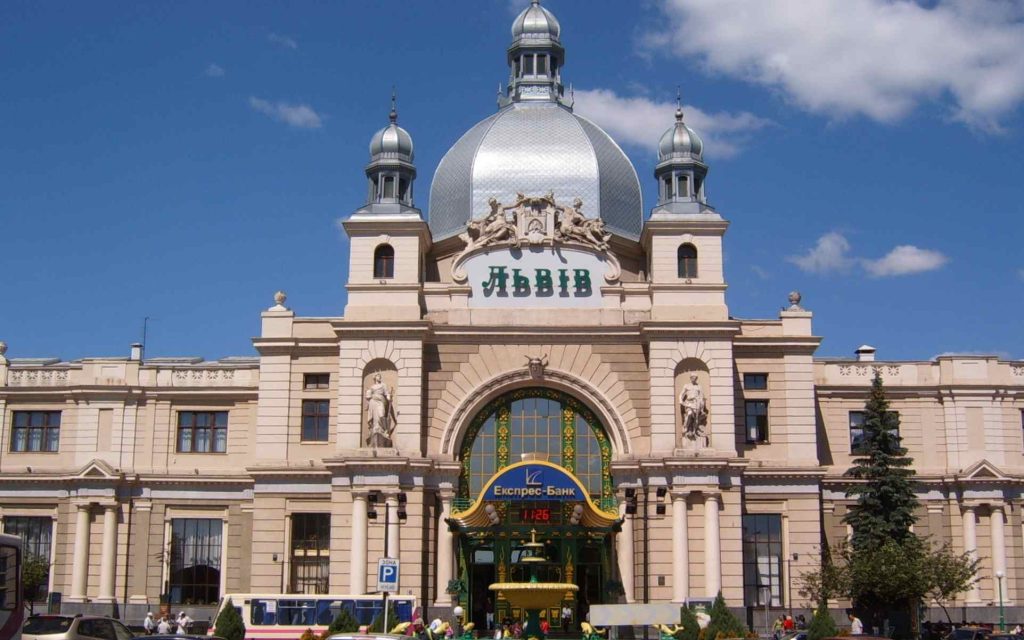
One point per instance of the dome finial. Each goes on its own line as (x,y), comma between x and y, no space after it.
(679,104)
(393,116)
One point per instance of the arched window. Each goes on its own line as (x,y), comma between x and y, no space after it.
(687,257)
(384,261)
(536,420)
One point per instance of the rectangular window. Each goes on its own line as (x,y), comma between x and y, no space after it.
(528,65)
(202,431)
(669,191)
(314,420)
(311,381)
(194,576)
(389,187)
(35,431)
(36,533)
(755,381)
(857,435)
(542,65)
(311,553)
(757,421)
(762,560)
(684,186)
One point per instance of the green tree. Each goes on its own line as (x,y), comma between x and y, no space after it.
(377,624)
(229,623)
(344,622)
(35,575)
(883,486)
(950,573)
(822,625)
(688,621)
(723,623)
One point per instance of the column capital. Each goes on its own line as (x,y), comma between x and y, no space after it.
(969,506)
(679,494)
(712,496)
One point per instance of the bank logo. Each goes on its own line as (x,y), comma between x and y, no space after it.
(533,477)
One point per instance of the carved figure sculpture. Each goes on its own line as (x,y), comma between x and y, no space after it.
(694,408)
(573,225)
(380,413)
(494,227)
(536,365)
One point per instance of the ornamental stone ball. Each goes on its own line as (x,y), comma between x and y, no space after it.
(281,296)
(794,300)
(3,347)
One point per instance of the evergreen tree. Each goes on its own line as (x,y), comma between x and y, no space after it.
(723,623)
(229,623)
(822,625)
(377,625)
(885,495)
(688,621)
(344,622)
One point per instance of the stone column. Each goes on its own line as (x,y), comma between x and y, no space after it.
(680,550)
(108,557)
(357,558)
(624,542)
(712,547)
(80,564)
(999,547)
(391,506)
(444,551)
(971,547)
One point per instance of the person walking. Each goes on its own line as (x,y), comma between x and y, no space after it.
(184,622)
(149,624)
(856,626)
(164,626)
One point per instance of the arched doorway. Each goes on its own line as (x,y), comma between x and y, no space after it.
(534,424)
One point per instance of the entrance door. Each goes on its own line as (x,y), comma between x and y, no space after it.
(481,576)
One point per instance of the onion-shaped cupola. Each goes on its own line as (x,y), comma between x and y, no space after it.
(535,57)
(681,170)
(391,171)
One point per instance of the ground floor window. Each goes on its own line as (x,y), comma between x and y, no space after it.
(36,533)
(311,553)
(762,559)
(196,545)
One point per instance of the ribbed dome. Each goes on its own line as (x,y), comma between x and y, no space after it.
(535,22)
(680,142)
(391,142)
(534,148)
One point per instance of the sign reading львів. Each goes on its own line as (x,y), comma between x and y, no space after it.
(537,277)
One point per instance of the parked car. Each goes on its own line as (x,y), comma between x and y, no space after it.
(80,627)
(969,633)
(172,636)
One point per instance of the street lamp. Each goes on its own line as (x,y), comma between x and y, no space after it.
(999,582)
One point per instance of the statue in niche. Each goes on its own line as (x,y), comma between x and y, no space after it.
(695,409)
(380,413)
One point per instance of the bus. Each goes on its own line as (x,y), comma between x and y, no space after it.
(12,608)
(278,616)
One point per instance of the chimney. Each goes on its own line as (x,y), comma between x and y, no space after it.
(136,352)
(865,353)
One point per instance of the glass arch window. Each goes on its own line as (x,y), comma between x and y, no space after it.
(384,261)
(536,420)
(687,257)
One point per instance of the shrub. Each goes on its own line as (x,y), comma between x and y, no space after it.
(308,634)
(822,625)
(229,623)
(344,622)
(723,623)
(688,620)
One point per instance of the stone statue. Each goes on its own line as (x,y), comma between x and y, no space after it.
(490,229)
(380,413)
(694,408)
(573,225)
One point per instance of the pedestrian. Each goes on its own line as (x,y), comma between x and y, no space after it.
(545,626)
(777,628)
(149,624)
(489,613)
(418,632)
(801,622)
(164,627)
(566,618)
(856,626)
(184,623)
(787,624)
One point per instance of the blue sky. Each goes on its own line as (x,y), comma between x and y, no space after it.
(185,160)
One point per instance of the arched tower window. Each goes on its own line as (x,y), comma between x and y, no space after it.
(536,420)
(687,257)
(384,261)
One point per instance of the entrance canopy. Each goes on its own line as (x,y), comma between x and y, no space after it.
(534,481)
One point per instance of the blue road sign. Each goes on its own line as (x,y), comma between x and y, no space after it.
(387,575)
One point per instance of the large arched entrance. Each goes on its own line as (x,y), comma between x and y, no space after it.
(559,434)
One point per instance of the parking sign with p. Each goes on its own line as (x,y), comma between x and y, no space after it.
(387,575)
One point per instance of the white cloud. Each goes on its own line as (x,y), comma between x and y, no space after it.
(283,41)
(831,253)
(641,121)
(214,71)
(301,116)
(761,273)
(904,260)
(876,58)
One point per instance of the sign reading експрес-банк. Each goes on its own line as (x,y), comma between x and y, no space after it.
(533,482)
(538,277)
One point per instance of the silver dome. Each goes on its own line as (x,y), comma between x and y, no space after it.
(680,142)
(534,148)
(391,142)
(535,22)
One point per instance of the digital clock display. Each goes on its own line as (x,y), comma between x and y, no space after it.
(535,514)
